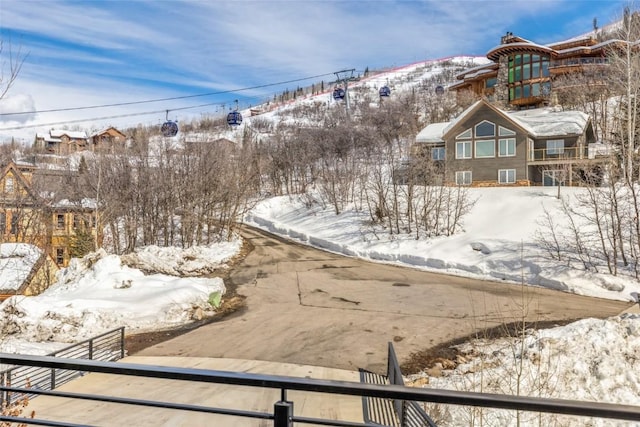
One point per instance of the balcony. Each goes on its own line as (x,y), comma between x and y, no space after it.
(557,156)
(576,64)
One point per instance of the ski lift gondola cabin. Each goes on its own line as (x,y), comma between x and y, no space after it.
(384,91)
(338,94)
(169,128)
(234,118)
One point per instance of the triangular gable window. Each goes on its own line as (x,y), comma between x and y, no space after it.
(465,135)
(485,128)
(505,132)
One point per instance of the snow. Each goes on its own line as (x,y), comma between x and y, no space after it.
(498,242)
(16,261)
(98,293)
(592,359)
(156,288)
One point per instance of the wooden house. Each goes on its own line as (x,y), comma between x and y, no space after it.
(108,140)
(34,209)
(486,146)
(523,74)
(61,142)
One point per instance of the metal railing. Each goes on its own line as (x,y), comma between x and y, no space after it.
(283,414)
(108,346)
(579,61)
(409,412)
(557,154)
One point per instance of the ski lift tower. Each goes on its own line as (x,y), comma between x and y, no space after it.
(345,76)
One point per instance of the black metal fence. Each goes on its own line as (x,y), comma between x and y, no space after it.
(283,414)
(408,412)
(108,346)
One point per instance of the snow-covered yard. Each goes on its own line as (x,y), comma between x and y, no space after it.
(99,292)
(591,359)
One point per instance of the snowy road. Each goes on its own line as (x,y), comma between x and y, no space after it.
(312,307)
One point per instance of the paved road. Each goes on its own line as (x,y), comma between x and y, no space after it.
(306,306)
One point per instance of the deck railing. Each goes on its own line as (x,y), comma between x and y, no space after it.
(283,410)
(555,154)
(579,61)
(108,346)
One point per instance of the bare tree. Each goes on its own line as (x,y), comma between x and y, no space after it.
(10,65)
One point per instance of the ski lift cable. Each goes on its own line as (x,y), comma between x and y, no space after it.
(120,104)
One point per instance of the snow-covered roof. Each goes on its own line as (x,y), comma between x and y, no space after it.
(84,203)
(432,134)
(16,262)
(55,133)
(538,123)
(545,122)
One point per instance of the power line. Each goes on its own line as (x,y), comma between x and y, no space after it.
(121,104)
(119,116)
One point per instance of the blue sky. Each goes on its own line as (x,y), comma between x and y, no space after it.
(92,53)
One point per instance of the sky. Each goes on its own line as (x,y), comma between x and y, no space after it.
(591,359)
(197,57)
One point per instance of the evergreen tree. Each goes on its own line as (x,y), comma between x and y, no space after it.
(81,243)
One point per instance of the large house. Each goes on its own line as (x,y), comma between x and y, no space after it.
(35,210)
(524,74)
(65,142)
(61,142)
(108,139)
(486,146)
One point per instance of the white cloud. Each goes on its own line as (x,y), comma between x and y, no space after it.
(17,103)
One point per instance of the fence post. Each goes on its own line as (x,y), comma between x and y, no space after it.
(91,349)
(122,342)
(4,396)
(283,414)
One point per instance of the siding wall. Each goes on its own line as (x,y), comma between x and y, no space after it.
(485,170)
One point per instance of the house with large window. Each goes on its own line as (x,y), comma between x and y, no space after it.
(35,209)
(486,146)
(523,74)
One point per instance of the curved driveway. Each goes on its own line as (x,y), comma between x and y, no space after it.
(311,307)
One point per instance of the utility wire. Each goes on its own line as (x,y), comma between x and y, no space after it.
(120,104)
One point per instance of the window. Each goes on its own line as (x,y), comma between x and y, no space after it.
(485,148)
(3,223)
(507,176)
(8,184)
(555,146)
(463,150)
(437,153)
(505,132)
(463,178)
(465,135)
(506,147)
(485,129)
(522,69)
(15,220)
(491,82)
(552,178)
(60,220)
(60,256)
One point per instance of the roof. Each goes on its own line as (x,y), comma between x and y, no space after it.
(54,135)
(432,134)
(108,130)
(545,122)
(71,134)
(16,262)
(537,123)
